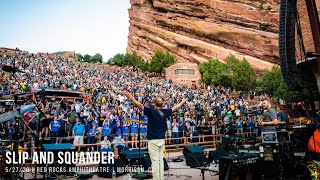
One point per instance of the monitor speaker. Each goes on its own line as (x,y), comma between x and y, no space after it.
(195,160)
(215,155)
(146,162)
(105,170)
(193,149)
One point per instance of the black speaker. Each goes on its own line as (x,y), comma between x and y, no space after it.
(193,149)
(195,156)
(215,155)
(146,163)
(196,160)
(105,170)
(130,156)
(64,168)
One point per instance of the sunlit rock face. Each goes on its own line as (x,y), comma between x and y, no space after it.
(198,30)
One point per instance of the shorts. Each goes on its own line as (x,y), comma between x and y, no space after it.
(45,123)
(69,127)
(78,140)
(62,133)
(214,130)
(168,133)
(134,134)
(143,135)
(126,135)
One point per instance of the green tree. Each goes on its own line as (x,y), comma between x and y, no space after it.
(273,83)
(213,73)
(59,53)
(270,80)
(97,58)
(87,58)
(231,63)
(132,59)
(143,65)
(118,59)
(243,76)
(284,92)
(160,61)
(129,59)
(79,57)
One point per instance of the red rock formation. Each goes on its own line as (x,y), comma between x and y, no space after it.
(198,30)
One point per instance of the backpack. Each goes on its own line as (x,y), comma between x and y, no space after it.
(314,142)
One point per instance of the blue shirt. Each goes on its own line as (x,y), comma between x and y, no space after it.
(182,127)
(219,111)
(134,128)
(119,131)
(78,129)
(239,124)
(121,117)
(157,126)
(125,130)
(106,131)
(55,126)
(134,118)
(89,125)
(145,118)
(92,133)
(143,129)
(251,123)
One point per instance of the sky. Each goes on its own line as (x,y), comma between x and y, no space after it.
(83,26)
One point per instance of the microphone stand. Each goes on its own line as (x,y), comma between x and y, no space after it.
(140,175)
(216,141)
(36,140)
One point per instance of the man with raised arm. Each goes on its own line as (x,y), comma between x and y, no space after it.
(156,129)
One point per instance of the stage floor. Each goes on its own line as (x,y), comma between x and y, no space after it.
(177,170)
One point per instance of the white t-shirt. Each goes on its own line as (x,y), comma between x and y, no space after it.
(237,111)
(78,107)
(175,127)
(86,112)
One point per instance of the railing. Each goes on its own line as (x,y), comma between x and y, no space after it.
(184,141)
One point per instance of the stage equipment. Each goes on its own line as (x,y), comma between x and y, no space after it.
(239,166)
(215,155)
(146,162)
(299,43)
(196,158)
(106,170)
(35,136)
(139,175)
(12,114)
(11,69)
(129,156)
(299,137)
(193,149)
(55,148)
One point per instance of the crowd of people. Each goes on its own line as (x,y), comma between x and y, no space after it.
(104,117)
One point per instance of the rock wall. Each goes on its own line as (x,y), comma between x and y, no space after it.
(198,30)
